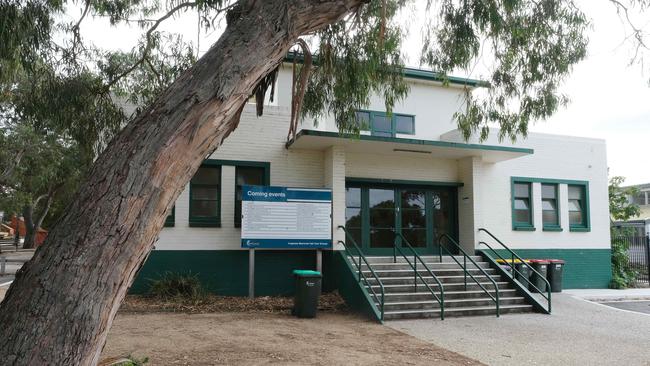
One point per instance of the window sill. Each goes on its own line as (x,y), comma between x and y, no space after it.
(579,229)
(205,224)
(524,228)
(169,225)
(552,228)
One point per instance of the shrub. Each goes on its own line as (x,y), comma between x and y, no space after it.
(177,286)
(622,275)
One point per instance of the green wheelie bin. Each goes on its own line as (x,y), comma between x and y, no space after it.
(308,288)
(555,269)
(522,272)
(541,266)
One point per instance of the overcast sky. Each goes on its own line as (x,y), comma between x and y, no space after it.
(609,99)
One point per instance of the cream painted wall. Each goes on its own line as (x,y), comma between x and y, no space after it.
(432,104)
(403,166)
(555,157)
(256,139)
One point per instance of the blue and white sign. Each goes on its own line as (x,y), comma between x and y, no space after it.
(280,217)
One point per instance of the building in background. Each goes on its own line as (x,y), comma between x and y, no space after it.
(640,224)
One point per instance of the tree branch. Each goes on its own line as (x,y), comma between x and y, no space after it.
(76,40)
(148,37)
(636,31)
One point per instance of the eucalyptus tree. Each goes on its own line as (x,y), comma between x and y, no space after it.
(62,303)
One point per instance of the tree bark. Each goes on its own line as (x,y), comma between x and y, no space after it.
(28,219)
(61,305)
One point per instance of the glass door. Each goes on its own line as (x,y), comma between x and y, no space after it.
(413,217)
(381,211)
(374,213)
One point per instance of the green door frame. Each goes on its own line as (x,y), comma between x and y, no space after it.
(429,187)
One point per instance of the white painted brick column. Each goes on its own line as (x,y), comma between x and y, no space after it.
(227,196)
(469,202)
(334,178)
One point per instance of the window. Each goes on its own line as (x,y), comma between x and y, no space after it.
(522,206)
(205,192)
(381,124)
(550,211)
(246,175)
(578,208)
(171,218)
(641,198)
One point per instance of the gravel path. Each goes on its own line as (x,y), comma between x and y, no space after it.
(578,333)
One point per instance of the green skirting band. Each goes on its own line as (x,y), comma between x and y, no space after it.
(584,268)
(225,272)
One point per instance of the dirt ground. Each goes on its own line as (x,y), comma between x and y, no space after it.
(268,339)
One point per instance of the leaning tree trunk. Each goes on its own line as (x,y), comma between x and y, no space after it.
(28,218)
(61,305)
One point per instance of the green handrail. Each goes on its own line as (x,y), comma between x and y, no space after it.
(466,272)
(416,257)
(361,275)
(514,255)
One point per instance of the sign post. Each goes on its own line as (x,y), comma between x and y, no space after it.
(251,273)
(285,218)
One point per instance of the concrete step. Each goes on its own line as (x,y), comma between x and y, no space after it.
(456,312)
(385,273)
(430,265)
(399,280)
(423,295)
(451,303)
(426,258)
(471,286)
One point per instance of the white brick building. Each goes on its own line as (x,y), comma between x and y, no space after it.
(545,196)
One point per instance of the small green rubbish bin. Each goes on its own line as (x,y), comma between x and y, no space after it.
(541,266)
(308,288)
(555,269)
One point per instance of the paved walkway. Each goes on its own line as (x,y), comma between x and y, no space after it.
(577,333)
(612,295)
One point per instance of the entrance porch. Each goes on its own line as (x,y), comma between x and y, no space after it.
(388,186)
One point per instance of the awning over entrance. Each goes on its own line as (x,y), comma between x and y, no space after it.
(321,140)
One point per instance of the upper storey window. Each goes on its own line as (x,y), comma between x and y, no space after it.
(382,124)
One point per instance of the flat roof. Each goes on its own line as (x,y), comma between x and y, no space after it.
(320,140)
(413,73)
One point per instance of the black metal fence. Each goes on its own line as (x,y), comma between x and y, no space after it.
(638,250)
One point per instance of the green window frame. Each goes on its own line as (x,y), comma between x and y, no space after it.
(578,204)
(522,205)
(241,166)
(205,193)
(170,220)
(385,125)
(550,207)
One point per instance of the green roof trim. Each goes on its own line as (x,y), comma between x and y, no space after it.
(435,143)
(413,73)
(429,75)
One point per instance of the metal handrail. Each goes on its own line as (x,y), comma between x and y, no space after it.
(512,267)
(466,272)
(361,275)
(416,257)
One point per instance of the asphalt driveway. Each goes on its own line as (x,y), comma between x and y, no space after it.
(577,333)
(640,306)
